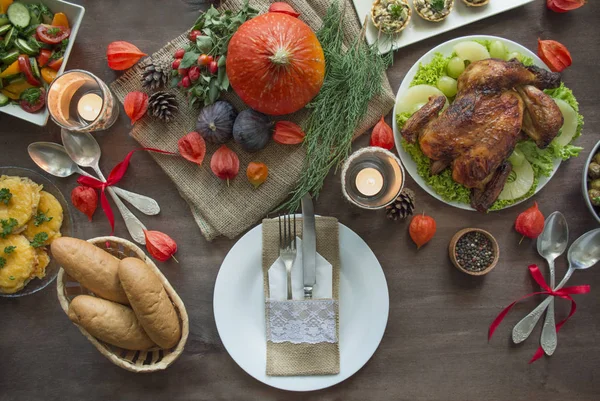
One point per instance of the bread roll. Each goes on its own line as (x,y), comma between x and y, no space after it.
(150,302)
(110,322)
(94,268)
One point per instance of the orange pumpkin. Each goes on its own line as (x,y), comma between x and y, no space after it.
(275,63)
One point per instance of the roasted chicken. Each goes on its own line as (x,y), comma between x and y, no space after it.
(475,135)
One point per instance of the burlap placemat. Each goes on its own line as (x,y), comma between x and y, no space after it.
(217,208)
(287,359)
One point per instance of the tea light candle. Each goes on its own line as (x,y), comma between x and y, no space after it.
(89,106)
(369,181)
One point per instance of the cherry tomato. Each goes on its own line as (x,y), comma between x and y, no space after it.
(186,82)
(25,67)
(179,53)
(44,56)
(175,64)
(203,59)
(55,64)
(194,35)
(183,71)
(52,34)
(33,99)
(213,67)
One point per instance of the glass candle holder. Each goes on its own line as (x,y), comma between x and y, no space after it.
(81,102)
(372,178)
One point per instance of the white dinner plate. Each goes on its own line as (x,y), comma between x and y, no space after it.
(447,49)
(418,29)
(239,307)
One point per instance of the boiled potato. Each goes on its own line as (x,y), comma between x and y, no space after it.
(24,201)
(48,218)
(20,263)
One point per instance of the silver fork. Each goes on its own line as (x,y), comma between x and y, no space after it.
(287,247)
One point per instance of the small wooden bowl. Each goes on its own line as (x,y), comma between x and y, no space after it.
(452,253)
(152,360)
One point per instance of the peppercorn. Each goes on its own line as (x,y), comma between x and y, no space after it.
(474,251)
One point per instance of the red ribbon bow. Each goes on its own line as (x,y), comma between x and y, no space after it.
(562,293)
(114,177)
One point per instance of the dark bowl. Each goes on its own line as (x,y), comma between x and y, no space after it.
(585,182)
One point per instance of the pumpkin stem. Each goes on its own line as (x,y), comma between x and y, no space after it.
(280,57)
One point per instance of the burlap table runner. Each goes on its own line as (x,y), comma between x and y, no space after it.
(217,208)
(287,359)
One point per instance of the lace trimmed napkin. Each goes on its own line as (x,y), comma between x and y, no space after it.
(302,335)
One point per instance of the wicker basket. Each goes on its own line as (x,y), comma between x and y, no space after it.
(150,360)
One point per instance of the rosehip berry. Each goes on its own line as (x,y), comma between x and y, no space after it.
(183,71)
(179,53)
(213,67)
(194,35)
(175,64)
(194,73)
(186,82)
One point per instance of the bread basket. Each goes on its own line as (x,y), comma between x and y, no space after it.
(151,360)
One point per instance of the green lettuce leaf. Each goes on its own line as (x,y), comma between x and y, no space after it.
(429,74)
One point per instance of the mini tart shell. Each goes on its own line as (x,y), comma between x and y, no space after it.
(418,10)
(471,4)
(400,29)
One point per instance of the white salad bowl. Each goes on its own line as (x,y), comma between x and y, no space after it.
(74,14)
(447,49)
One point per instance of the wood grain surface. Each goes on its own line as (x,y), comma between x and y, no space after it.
(435,345)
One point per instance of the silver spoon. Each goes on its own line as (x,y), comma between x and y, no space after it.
(53,159)
(550,245)
(84,150)
(583,254)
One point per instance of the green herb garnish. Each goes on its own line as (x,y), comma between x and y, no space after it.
(8,226)
(396,11)
(60,51)
(596,200)
(5,196)
(9,249)
(53,31)
(41,218)
(31,95)
(39,240)
(2,262)
(438,5)
(11,277)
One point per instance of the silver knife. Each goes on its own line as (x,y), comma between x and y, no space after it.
(309,246)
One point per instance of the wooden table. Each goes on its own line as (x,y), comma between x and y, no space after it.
(435,345)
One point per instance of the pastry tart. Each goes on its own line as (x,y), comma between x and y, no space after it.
(476,3)
(433,10)
(390,16)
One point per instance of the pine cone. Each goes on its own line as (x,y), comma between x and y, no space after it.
(402,207)
(156,74)
(163,105)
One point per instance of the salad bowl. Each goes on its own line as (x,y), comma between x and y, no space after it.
(74,14)
(412,166)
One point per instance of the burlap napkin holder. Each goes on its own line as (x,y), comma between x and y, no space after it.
(296,358)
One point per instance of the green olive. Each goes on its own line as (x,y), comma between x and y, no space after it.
(594,195)
(596,158)
(594,170)
(595,184)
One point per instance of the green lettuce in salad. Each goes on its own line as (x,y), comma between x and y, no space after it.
(541,160)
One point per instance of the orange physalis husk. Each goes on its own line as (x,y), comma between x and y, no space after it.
(135,104)
(122,55)
(85,199)
(554,54)
(285,8)
(422,229)
(382,135)
(160,245)
(192,147)
(563,6)
(225,164)
(288,133)
(530,223)
(257,173)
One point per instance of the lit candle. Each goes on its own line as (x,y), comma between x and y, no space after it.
(369,181)
(89,106)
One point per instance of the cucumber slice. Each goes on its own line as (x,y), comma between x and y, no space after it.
(3,19)
(4,100)
(519,181)
(415,97)
(24,47)
(10,38)
(10,57)
(18,15)
(4,29)
(569,128)
(34,67)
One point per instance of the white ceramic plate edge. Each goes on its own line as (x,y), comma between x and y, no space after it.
(446,49)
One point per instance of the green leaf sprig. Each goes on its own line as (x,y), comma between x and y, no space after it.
(437,5)
(2,262)
(41,218)
(39,240)
(8,226)
(5,196)
(9,249)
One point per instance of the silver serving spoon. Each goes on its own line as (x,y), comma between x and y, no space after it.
(84,150)
(583,254)
(53,159)
(550,245)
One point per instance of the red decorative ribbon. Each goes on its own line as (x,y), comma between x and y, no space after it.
(114,177)
(564,293)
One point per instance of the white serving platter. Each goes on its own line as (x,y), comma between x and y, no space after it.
(419,29)
(74,14)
